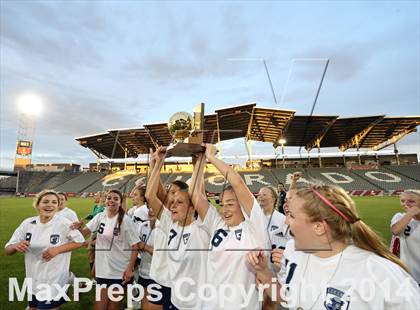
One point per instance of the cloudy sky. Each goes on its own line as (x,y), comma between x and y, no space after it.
(101,65)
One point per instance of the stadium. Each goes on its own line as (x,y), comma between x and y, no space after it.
(197,114)
(375,180)
(361,175)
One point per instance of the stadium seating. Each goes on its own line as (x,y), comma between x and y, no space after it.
(55,180)
(24,179)
(412,172)
(388,179)
(8,184)
(111,181)
(81,182)
(34,180)
(131,183)
(342,177)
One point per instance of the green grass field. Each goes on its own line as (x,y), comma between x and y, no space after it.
(376,211)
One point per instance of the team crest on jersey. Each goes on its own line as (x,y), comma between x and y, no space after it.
(28,236)
(185,237)
(274,227)
(54,239)
(238,234)
(336,300)
(116,231)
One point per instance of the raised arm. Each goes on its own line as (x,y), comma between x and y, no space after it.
(152,186)
(244,195)
(196,189)
(295,177)
(401,225)
(161,193)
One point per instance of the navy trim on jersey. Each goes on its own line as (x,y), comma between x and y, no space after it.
(45,304)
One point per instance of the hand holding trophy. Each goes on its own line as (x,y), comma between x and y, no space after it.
(187,133)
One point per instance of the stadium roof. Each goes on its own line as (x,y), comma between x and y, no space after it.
(265,125)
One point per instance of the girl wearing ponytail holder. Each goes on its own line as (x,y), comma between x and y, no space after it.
(335,260)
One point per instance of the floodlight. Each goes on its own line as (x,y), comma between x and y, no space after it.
(30,104)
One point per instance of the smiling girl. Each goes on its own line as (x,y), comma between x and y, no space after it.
(240,225)
(46,240)
(115,249)
(337,261)
(406,226)
(182,238)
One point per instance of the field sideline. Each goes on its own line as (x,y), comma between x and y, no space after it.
(376,211)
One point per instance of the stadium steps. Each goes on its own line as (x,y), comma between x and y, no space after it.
(411,172)
(35,185)
(124,186)
(131,183)
(121,181)
(86,187)
(275,178)
(319,175)
(24,178)
(75,175)
(80,182)
(389,180)
(55,181)
(8,184)
(367,180)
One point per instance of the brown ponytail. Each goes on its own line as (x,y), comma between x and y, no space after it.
(344,222)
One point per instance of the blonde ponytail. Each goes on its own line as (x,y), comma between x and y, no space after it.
(333,205)
(365,238)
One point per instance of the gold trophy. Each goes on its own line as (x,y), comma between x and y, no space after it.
(187,132)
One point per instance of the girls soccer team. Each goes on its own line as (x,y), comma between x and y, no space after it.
(321,255)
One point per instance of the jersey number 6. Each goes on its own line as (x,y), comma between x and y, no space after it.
(101,228)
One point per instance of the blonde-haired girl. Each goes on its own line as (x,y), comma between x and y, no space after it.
(406,227)
(46,240)
(338,261)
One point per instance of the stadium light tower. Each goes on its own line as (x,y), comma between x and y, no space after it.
(30,107)
(282,142)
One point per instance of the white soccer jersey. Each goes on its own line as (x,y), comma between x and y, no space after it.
(140,214)
(410,245)
(159,268)
(227,263)
(68,214)
(146,235)
(277,229)
(187,257)
(113,247)
(41,237)
(351,280)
